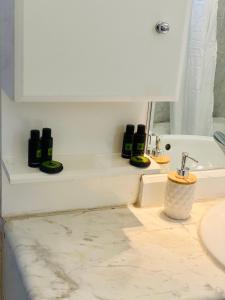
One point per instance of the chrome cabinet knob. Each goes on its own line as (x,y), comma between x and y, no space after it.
(162,27)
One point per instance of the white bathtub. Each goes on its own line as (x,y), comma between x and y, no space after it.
(209,153)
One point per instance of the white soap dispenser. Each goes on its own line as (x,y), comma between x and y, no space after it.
(180,191)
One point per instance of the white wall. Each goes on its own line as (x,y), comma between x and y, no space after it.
(77,127)
(93,128)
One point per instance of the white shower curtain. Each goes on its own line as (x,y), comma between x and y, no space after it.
(193,114)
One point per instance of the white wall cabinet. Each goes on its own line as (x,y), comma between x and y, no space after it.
(93,50)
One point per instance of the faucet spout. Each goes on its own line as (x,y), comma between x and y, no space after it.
(219,137)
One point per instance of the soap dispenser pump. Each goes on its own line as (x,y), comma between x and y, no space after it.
(180,191)
(185,171)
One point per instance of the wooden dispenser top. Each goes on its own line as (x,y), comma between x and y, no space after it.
(187,180)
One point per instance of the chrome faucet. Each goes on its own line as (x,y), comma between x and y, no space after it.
(157,151)
(219,137)
(184,171)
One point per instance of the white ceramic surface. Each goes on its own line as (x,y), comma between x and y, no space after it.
(209,154)
(212,232)
(114,254)
(178,200)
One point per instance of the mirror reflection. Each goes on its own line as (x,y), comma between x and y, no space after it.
(196,123)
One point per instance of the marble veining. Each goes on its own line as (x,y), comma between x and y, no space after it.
(115,254)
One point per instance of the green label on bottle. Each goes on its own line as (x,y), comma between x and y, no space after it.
(38,153)
(141,146)
(128,147)
(49,151)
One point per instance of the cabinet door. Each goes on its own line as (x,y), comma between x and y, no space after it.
(100,50)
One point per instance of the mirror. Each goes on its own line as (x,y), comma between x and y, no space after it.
(190,124)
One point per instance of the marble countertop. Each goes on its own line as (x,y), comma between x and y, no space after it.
(115,254)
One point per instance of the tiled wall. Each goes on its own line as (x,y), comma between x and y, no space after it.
(219,106)
(162,112)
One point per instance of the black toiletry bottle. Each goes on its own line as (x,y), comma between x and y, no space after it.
(139,141)
(34,149)
(46,145)
(128,141)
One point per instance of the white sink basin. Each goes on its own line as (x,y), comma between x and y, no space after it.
(212,232)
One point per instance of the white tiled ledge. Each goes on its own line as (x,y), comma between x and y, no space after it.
(210,184)
(75,167)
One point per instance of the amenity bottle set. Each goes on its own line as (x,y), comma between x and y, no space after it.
(40,152)
(134,146)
